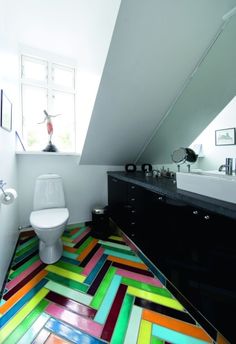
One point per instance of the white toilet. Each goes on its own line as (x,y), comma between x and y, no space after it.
(49,216)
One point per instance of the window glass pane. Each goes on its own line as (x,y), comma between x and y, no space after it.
(64,123)
(34,69)
(34,101)
(63,76)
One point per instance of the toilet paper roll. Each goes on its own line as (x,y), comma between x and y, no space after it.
(9,197)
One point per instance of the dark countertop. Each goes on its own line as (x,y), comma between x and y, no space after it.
(167,187)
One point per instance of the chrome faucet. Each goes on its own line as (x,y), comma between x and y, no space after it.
(227,167)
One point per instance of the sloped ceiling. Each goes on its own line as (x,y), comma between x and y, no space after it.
(155,46)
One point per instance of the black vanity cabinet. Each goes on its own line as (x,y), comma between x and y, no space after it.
(128,206)
(193,247)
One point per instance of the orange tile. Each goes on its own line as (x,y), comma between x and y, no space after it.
(55,340)
(20,293)
(87,250)
(221,339)
(176,325)
(74,231)
(127,262)
(69,249)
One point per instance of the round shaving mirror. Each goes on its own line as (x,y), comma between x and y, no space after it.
(182,155)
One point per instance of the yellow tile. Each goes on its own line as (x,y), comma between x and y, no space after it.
(114,237)
(66,273)
(22,314)
(145,332)
(162,300)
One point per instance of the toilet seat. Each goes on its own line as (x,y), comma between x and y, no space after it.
(48,219)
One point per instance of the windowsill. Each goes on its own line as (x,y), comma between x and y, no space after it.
(47,153)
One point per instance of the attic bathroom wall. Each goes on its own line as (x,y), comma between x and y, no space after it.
(9,219)
(81,31)
(155,47)
(214,156)
(85,186)
(209,90)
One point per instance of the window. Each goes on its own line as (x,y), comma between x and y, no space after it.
(49,86)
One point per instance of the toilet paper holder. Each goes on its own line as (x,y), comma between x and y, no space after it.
(2,184)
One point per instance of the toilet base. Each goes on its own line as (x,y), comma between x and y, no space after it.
(50,254)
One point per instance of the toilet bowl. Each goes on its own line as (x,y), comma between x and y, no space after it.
(49,216)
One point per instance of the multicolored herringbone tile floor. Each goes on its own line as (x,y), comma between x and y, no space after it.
(99,292)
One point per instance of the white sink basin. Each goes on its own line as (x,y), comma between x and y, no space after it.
(208,183)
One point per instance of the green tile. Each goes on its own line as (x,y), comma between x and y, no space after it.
(68,292)
(146,287)
(70,255)
(24,266)
(116,249)
(67,282)
(84,245)
(74,236)
(70,267)
(155,340)
(27,243)
(25,249)
(20,330)
(122,321)
(75,225)
(101,291)
(68,243)
(112,244)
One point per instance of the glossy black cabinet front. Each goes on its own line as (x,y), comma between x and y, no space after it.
(192,247)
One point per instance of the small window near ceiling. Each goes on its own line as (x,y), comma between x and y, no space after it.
(46,85)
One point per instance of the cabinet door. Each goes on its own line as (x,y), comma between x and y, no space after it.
(117,199)
(204,270)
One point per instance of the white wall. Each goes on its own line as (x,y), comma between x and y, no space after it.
(85,186)
(214,156)
(77,30)
(155,46)
(8,170)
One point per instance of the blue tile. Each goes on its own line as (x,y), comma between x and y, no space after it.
(90,278)
(74,335)
(12,311)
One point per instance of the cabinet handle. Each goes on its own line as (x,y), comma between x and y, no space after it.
(114,180)
(160,198)
(195,212)
(133,211)
(207,217)
(133,223)
(132,199)
(132,187)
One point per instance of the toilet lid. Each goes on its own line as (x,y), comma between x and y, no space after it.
(49,218)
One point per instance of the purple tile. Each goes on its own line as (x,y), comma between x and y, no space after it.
(173,313)
(114,313)
(17,265)
(82,240)
(94,286)
(23,282)
(133,269)
(72,305)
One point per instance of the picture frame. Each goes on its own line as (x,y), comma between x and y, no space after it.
(225,137)
(5,112)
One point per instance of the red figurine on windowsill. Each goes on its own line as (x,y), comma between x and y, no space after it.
(50,147)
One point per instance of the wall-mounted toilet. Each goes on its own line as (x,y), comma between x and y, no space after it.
(49,216)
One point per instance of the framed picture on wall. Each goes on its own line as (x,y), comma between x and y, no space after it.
(5,112)
(224,137)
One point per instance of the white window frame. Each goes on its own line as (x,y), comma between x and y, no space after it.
(48,85)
